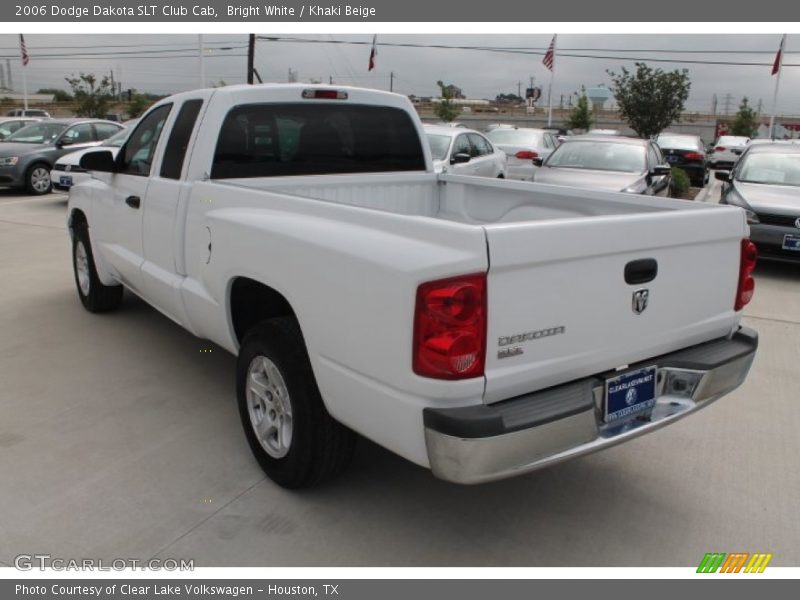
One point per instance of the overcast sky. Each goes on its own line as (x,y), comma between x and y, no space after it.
(162,63)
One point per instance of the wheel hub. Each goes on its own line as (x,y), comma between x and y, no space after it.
(269,407)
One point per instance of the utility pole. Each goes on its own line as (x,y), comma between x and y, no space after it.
(519,89)
(10,76)
(251,56)
(391,81)
(728,101)
(330,79)
(202,60)
(2,78)
(113,85)
(714,105)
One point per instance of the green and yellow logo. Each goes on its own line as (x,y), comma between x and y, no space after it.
(737,562)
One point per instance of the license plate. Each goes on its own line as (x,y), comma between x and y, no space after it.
(672,159)
(630,394)
(791,242)
(65,180)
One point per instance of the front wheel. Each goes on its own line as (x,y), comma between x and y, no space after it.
(293,437)
(37,180)
(95,296)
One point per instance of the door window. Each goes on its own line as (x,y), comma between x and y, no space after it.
(462,145)
(178,141)
(137,153)
(79,134)
(481,145)
(106,130)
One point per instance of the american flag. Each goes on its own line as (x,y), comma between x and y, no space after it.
(550,56)
(374,53)
(23,51)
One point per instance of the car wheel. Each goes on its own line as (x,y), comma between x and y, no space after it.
(37,180)
(95,296)
(293,437)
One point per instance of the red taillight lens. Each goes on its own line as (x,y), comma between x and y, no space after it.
(450,328)
(747,285)
(719,149)
(693,156)
(527,155)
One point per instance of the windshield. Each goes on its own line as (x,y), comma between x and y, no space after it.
(116,140)
(597,155)
(515,137)
(771,169)
(439,144)
(38,133)
(678,142)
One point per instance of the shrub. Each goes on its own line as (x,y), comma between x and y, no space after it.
(680,182)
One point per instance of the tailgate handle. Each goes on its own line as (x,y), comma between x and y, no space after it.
(641,271)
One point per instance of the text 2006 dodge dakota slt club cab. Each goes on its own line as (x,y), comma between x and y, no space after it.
(481,328)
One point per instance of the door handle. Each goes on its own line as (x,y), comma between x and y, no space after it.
(133,201)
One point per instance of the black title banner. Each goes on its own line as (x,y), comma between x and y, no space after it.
(709,11)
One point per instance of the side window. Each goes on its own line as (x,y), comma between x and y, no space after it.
(105,130)
(548,141)
(137,153)
(479,142)
(82,133)
(462,145)
(178,141)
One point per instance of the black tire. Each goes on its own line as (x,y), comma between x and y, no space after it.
(320,447)
(32,178)
(97,298)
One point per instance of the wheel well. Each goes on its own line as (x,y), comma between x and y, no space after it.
(252,302)
(77,217)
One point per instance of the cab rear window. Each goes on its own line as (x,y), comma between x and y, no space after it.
(274,140)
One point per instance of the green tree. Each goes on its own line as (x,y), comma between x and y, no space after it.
(93,95)
(446,109)
(58,95)
(745,122)
(581,116)
(650,100)
(138,104)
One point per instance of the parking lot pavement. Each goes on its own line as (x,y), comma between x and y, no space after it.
(119,438)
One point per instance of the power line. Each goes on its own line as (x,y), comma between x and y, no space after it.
(526,51)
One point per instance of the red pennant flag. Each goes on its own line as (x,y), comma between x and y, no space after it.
(374,53)
(776,66)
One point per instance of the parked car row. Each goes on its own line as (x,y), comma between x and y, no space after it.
(29,152)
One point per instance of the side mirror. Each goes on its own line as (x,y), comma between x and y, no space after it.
(538,161)
(99,160)
(660,171)
(461,157)
(64,142)
(723,176)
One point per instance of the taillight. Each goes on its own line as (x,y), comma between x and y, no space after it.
(450,328)
(693,156)
(719,149)
(527,155)
(744,291)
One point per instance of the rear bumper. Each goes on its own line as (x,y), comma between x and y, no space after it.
(769,241)
(482,443)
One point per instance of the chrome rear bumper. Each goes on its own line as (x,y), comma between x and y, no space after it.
(482,443)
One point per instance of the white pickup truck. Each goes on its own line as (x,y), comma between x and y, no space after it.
(480,328)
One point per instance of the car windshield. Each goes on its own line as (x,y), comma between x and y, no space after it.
(770,168)
(116,140)
(679,142)
(38,133)
(439,144)
(515,137)
(598,155)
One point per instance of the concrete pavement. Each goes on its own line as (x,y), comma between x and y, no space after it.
(120,438)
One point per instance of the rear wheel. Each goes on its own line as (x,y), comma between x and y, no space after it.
(37,180)
(293,437)
(95,296)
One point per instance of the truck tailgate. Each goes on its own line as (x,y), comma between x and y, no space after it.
(560,307)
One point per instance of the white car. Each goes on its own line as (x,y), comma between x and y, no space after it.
(727,151)
(464,152)
(522,145)
(477,327)
(68,172)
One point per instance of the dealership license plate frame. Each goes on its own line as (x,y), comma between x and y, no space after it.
(794,246)
(65,180)
(641,405)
